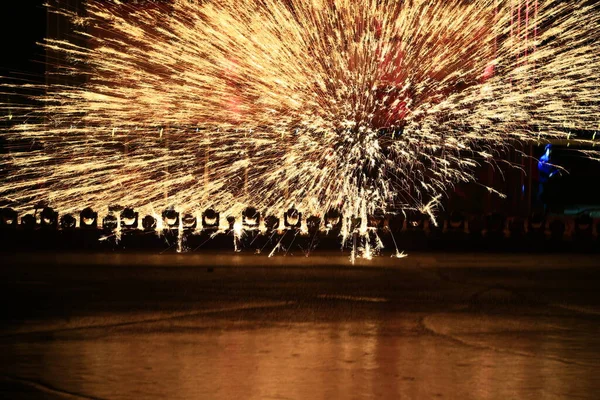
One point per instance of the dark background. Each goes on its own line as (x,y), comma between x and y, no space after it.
(23,24)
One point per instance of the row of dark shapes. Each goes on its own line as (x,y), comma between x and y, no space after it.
(128,218)
(454,231)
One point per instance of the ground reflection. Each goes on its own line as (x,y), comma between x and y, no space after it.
(395,357)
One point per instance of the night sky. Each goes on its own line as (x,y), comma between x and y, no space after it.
(22,25)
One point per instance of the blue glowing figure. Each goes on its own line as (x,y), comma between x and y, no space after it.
(545,166)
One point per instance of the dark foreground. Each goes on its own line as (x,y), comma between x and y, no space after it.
(209,327)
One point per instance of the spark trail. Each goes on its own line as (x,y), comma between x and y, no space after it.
(354,105)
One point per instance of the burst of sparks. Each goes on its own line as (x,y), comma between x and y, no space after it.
(273,103)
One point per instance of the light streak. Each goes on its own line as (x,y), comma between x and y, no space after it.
(238,234)
(234,102)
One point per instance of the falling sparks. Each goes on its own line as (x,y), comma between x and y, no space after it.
(350,105)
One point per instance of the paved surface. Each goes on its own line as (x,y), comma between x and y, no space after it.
(220,327)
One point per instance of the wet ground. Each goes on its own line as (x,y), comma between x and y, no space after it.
(245,327)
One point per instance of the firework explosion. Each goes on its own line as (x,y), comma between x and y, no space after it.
(345,104)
